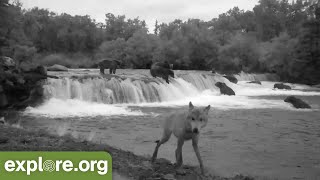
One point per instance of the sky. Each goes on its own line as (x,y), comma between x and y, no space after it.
(148,10)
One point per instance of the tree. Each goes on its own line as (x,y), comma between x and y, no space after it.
(119,27)
(307,54)
(113,49)
(140,48)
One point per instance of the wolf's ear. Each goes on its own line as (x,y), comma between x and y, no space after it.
(206,109)
(190,105)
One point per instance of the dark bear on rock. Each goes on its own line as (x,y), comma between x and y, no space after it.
(109,64)
(231,79)
(297,103)
(162,70)
(255,82)
(224,89)
(281,86)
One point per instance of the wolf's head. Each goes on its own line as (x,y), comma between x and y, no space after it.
(198,118)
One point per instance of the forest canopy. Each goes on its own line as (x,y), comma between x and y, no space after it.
(276,36)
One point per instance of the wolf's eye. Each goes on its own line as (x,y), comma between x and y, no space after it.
(192,119)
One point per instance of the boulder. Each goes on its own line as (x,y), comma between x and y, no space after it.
(255,82)
(57,67)
(20,89)
(316,86)
(281,86)
(224,89)
(7,62)
(297,103)
(162,70)
(231,79)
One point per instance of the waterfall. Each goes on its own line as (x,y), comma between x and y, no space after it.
(242,76)
(127,89)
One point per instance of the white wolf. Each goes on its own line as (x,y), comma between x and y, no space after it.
(184,126)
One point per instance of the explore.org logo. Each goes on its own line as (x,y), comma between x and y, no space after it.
(39,165)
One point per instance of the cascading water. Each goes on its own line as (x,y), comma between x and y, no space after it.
(132,89)
(242,76)
(129,90)
(87,93)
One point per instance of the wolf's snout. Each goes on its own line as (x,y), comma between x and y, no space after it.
(195,130)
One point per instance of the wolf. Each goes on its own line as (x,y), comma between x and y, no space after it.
(185,126)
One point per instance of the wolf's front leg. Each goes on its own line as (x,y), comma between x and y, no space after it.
(196,150)
(179,159)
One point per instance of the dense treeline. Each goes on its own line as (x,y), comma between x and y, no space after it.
(276,36)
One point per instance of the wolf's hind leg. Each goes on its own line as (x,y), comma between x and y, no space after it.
(165,137)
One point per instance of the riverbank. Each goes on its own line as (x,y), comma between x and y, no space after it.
(125,163)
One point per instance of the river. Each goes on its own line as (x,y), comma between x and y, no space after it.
(253,133)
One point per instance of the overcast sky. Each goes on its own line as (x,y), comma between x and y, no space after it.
(148,10)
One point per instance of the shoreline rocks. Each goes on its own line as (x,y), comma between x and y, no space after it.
(297,103)
(255,82)
(231,78)
(281,86)
(20,89)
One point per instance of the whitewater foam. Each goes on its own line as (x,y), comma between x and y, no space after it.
(71,107)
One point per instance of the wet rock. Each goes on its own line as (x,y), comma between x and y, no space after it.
(297,103)
(57,67)
(2,120)
(255,82)
(18,88)
(281,86)
(162,70)
(7,62)
(224,89)
(231,79)
(242,177)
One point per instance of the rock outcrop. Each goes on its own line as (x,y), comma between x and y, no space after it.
(281,86)
(255,82)
(57,67)
(20,89)
(224,89)
(297,103)
(231,79)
